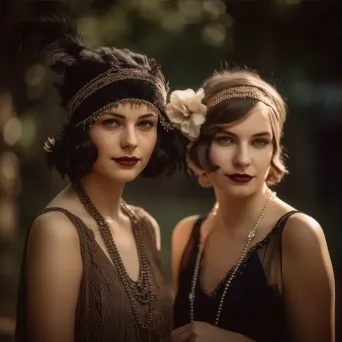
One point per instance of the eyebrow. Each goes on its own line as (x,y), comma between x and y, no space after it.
(261,134)
(144,116)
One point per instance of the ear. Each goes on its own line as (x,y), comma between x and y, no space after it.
(204,181)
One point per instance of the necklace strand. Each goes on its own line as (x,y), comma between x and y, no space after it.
(143,287)
(228,282)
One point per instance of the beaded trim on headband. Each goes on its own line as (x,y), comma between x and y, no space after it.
(188,113)
(109,77)
(239,92)
(87,122)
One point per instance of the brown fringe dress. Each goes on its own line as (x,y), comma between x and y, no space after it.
(104,312)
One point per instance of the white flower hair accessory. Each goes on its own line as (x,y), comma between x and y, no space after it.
(187,112)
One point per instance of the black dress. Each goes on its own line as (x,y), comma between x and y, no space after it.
(253,305)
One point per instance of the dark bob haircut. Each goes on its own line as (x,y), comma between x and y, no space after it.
(73,153)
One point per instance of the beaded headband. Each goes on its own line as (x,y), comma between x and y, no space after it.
(109,77)
(88,122)
(239,92)
(188,113)
(103,80)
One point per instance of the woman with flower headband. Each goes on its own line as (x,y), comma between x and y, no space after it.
(91,268)
(254,269)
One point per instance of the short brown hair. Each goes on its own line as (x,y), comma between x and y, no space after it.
(228,112)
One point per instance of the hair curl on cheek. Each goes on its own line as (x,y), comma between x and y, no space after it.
(198,155)
(277,168)
(168,155)
(73,155)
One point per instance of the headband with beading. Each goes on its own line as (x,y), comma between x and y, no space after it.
(241,92)
(108,78)
(188,113)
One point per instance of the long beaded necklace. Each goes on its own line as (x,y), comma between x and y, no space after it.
(142,289)
(228,282)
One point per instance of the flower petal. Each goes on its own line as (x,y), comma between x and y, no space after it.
(181,94)
(185,126)
(194,105)
(174,96)
(174,115)
(200,93)
(197,119)
(185,109)
(194,131)
(177,104)
(203,109)
(187,93)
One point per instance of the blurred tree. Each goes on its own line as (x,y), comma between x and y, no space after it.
(9,176)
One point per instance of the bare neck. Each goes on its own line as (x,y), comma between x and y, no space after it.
(237,215)
(105,195)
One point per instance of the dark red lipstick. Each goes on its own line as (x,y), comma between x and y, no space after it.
(127,161)
(240,178)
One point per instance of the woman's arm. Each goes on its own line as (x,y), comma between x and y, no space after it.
(309,287)
(155,227)
(180,238)
(53,275)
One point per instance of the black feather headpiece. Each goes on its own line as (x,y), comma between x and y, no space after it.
(92,80)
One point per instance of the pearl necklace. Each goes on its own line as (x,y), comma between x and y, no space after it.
(250,237)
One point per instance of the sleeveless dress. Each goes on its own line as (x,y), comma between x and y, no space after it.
(253,305)
(104,312)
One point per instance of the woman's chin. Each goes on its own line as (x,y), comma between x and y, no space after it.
(240,190)
(118,176)
(125,176)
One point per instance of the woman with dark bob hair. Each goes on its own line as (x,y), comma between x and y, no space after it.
(91,269)
(254,268)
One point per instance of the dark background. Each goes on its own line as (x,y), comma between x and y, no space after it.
(293,44)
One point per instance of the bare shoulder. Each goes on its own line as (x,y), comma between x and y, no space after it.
(305,249)
(53,227)
(145,214)
(183,229)
(303,231)
(308,279)
(53,272)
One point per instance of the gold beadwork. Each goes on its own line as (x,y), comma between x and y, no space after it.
(140,290)
(49,144)
(240,92)
(109,77)
(251,235)
(133,101)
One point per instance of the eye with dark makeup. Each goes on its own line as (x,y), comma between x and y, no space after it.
(260,142)
(224,139)
(146,124)
(110,123)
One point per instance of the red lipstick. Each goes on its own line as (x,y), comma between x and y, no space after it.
(126,161)
(240,178)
